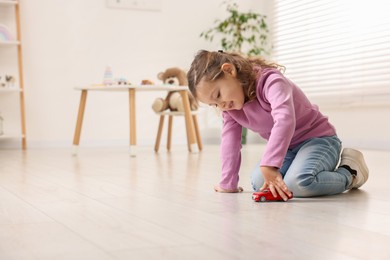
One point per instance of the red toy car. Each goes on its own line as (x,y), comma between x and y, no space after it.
(266,195)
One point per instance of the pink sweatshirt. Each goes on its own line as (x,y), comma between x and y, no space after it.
(281,114)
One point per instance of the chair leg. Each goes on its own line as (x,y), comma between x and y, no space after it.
(169,139)
(197,133)
(160,127)
(188,139)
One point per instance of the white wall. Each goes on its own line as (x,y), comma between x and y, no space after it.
(69,42)
(361,126)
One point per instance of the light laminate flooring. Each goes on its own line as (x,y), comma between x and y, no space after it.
(103,204)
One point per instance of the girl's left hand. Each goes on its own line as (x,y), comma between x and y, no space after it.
(273,181)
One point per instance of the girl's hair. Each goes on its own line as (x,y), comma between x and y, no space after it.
(207,66)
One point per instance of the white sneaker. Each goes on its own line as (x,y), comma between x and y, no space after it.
(355,160)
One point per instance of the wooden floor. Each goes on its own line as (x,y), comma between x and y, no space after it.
(104,204)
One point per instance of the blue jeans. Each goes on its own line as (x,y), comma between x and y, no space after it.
(309,169)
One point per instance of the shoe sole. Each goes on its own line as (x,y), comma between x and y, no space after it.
(347,156)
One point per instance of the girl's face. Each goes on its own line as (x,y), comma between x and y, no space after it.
(226,93)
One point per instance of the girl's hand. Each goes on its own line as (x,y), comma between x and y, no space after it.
(273,181)
(219,189)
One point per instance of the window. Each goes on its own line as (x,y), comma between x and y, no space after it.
(334,48)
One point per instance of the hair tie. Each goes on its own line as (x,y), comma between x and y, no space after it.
(220,51)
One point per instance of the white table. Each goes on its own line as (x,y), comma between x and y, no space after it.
(132,89)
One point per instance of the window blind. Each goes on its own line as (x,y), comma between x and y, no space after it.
(334,47)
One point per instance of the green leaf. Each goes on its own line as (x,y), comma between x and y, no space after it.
(240,30)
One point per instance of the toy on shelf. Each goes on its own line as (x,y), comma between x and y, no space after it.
(266,195)
(7,81)
(173,100)
(121,81)
(147,82)
(108,78)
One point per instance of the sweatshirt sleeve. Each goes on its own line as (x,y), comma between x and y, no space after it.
(230,152)
(279,94)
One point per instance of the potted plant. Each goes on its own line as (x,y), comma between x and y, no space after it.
(242,32)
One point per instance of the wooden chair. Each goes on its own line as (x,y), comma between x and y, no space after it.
(169,135)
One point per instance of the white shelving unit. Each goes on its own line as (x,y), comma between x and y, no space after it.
(13,6)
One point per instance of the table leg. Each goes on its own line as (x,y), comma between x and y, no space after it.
(189,122)
(80,116)
(133,128)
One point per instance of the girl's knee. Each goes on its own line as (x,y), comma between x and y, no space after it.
(256,185)
(257,180)
(300,185)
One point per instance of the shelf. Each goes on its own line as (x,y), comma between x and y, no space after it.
(98,87)
(9,43)
(8,2)
(15,41)
(7,90)
(9,136)
(176,113)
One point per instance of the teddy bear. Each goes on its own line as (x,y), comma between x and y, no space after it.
(173,100)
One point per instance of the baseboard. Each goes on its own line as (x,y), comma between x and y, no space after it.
(16,144)
(370,144)
(11,143)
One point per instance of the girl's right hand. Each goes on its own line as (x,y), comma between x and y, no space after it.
(217,188)
(273,181)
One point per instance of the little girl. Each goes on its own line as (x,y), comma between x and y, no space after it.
(303,150)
